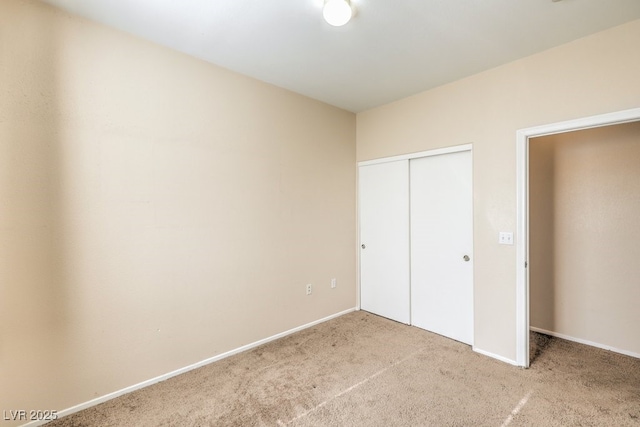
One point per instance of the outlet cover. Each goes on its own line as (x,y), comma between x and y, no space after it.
(505,238)
(309,289)
(334,283)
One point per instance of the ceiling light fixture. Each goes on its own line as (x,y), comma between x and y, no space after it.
(337,12)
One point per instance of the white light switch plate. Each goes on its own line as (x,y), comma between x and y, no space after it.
(505,238)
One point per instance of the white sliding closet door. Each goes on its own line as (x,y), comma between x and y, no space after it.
(441,245)
(384,239)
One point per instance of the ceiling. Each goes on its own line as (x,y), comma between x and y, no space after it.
(391,49)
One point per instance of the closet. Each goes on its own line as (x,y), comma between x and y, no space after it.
(416,240)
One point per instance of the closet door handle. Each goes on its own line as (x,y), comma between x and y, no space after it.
(466,258)
(363,246)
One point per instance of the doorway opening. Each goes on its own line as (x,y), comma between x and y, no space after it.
(524,138)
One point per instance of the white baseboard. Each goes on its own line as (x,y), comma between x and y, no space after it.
(586,342)
(495,356)
(102,399)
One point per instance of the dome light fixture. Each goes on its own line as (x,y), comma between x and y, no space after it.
(337,12)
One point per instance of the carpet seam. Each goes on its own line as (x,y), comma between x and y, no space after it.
(349,389)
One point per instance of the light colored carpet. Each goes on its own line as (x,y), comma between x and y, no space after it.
(364,370)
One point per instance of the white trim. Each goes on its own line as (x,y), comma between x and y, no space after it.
(522,243)
(434,152)
(586,342)
(600,120)
(473,252)
(358,243)
(495,356)
(409,163)
(102,399)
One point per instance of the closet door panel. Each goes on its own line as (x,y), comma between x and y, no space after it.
(441,245)
(384,239)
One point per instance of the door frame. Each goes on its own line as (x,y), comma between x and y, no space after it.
(522,210)
(416,155)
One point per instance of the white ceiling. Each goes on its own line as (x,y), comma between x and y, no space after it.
(390,50)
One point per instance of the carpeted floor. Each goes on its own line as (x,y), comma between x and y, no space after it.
(364,370)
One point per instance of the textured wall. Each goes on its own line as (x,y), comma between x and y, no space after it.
(155,210)
(593,75)
(585,277)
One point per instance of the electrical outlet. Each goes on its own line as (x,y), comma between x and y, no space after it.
(334,283)
(505,238)
(309,289)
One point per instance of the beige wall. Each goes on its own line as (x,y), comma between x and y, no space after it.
(593,75)
(155,210)
(542,302)
(584,234)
